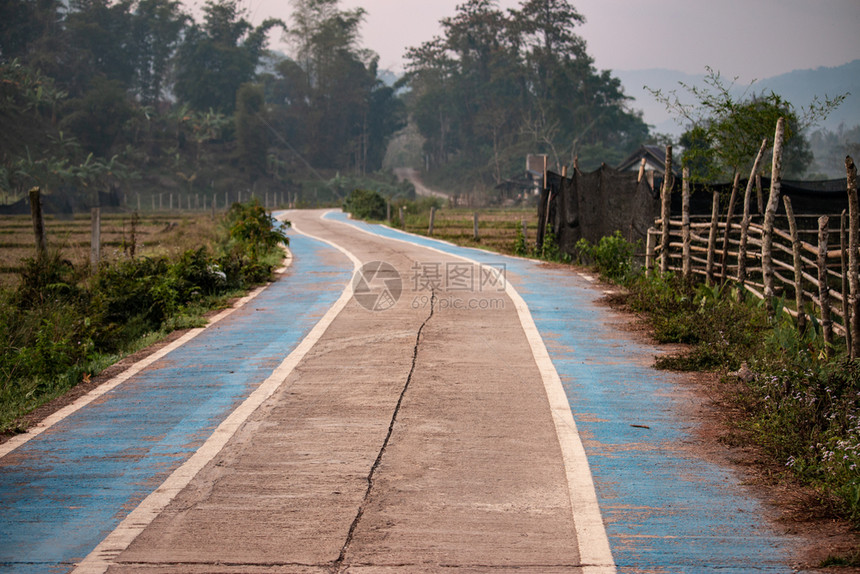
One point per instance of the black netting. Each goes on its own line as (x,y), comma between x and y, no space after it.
(596,204)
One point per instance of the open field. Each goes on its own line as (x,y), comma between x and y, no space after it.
(497,228)
(151,234)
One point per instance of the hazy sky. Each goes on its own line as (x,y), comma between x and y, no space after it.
(751,39)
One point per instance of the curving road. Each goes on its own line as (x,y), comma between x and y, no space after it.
(421,420)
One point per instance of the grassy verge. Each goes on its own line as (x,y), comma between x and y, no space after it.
(62,323)
(800,397)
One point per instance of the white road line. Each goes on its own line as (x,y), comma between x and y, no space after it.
(105,554)
(595,554)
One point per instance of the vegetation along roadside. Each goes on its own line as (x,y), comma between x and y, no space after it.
(63,323)
(799,398)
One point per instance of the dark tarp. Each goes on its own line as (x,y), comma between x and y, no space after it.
(593,205)
(597,204)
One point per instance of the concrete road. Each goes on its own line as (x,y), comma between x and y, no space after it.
(411,423)
(415,436)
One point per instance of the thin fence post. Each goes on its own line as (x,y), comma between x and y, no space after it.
(665,211)
(724,259)
(685,220)
(432,218)
(798,264)
(525,232)
(650,245)
(38,222)
(745,223)
(712,238)
(823,288)
(853,279)
(770,215)
(475,218)
(95,239)
(846,309)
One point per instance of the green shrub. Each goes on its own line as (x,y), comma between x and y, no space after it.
(612,257)
(60,325)
(365,204)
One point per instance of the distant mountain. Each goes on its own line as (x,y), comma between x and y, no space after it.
(799,87)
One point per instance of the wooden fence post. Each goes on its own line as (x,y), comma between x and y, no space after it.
(685,221)
(712,239)
(846,309)
(770,215)
(853,279)
(38,222)
(724,259)
(475,217)
(650,241)
(798,264)
(823,288)
(665,211)
(432,217)
(96,237)
(745,223)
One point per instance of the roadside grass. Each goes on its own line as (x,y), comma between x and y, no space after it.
(121,234)
(800,397)
(62,322)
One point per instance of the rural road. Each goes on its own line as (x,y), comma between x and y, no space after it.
(411,174)
(420,420)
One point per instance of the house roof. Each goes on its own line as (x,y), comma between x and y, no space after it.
(655,159)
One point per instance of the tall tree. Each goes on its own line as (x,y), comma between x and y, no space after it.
(219,56)
(331,91)
(157,26)
(496,86)
(252,133)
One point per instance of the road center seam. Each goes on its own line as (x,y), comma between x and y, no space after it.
(338,565)
(593,543)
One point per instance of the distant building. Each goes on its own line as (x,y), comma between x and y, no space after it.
(655,160)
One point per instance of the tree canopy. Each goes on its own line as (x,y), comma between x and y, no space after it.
(724,132)
(497,85)
(192,104)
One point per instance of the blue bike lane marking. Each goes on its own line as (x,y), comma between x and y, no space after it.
(63,491)
(665,509)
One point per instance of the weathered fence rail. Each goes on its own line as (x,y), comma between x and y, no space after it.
(810,262)
(708,259)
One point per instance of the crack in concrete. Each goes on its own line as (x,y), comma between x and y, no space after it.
(339,563)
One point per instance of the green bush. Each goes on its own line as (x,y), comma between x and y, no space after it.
(365,204)
(612,257)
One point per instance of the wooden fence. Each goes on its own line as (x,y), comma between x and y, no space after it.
(809,261)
